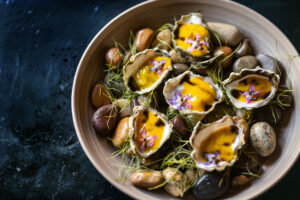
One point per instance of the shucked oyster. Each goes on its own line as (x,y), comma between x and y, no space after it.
(192,94)
(149,130)
(251,88)
(146,70)
(191,37)
(216,145)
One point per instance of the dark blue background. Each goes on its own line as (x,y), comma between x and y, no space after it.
(40,46)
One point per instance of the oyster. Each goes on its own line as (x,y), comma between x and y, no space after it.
(251,88)
(148,130)
(191,37)
(146,70)
(192,95)
(216,145)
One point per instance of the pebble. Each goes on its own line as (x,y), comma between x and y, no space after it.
(179,68)
(239,181)
(126,107)
(121,132)
(245,49)
(175,183)
(226,51)
(228,34)
(163,39)
(174,56)
(146,178)
(245,62)
(100,96)
(143,39)
(263,138)
(116,83)
(113,57)
(208,186)
(104,119)
(180,125)
(269,63)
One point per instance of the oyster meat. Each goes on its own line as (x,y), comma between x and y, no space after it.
(251,88)
(216,145)
(191,37)
(149,130)
(146,70)
(192,94)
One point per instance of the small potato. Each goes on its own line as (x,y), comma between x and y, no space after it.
(143,39)
(113,57)
(100,96)
(104,119)
(163,39)
(121,133)
(175,182)
(180,125)
(146,179)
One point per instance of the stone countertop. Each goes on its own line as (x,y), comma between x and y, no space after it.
(41,43)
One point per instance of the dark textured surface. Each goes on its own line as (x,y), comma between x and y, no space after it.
(40,45)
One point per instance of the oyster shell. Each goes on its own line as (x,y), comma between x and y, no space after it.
(146,70)
(149,130)
(215,146)
(191,37)
(251,88)
(192,95)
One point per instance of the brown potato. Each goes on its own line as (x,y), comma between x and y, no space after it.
(121,132)
(104,119)
(226,52)
(146,178)
(100,96)
(143,39)
(163,39)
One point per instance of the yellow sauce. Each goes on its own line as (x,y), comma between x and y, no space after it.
(261,85)
(202,94)
(189,31)
(153,127)
(220,141)
(145,78)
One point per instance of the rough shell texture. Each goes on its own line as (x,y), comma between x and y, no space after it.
(175,181)
(136,62)
(173,83)
(263,138)
(201,132)
(166,134)
(234,78)
(192,18)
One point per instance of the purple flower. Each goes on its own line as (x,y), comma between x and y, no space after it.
(181,102)
(158,66)
(250,95)
(212,158)
(145,140)
(195,44)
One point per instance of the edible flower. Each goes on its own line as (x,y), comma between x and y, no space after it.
(158,66)
(181,102)
(146,140)
(250,95)
(212,158)
(196,44)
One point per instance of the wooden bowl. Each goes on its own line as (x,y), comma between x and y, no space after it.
(265,38)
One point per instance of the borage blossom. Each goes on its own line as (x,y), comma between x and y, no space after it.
(158,67)
(145,141)
(181,102)
(212,158)
(195,44)
(250,95)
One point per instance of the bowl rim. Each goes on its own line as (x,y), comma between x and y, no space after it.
(89,48)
